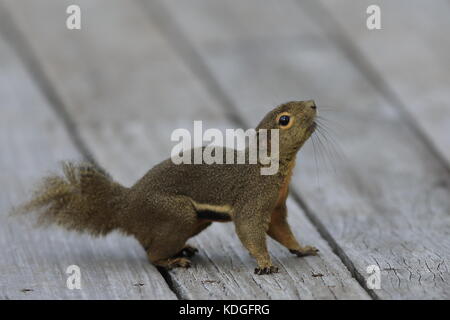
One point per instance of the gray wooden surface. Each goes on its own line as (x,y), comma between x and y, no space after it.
(34,262)
(137,70)
(414,71)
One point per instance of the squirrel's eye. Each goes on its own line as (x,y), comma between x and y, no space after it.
(284,120)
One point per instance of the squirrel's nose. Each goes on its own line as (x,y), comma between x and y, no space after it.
(312,104)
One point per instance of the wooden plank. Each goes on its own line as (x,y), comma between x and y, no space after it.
(410,54)
(33,262)
(387,203)
(127,90)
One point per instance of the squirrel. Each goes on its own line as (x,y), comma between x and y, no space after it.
(174,202)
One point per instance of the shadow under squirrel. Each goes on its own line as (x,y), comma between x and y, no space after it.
(173,203)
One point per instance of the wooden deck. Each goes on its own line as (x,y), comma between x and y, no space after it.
(116,89)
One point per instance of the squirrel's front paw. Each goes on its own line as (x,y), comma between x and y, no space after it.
(305,251)
(266,270)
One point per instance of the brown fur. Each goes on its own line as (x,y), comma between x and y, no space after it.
(162,209)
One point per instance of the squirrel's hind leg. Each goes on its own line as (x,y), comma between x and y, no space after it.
(175,262)
(164,257)
(175,221)
(179,260)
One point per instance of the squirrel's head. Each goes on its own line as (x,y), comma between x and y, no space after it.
(295,121)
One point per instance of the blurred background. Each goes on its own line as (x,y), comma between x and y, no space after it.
(370,188)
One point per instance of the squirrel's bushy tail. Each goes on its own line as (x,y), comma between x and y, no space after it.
(84,199)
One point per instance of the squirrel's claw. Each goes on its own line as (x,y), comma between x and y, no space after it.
(305,251)
(179,263)
(266,270)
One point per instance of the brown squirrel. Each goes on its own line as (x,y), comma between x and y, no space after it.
(173,203)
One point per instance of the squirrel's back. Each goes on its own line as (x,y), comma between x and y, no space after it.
(206,183)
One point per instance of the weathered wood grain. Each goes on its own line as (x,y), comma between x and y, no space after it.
(410,55)
(126,90)
(33,262)
(387,202)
